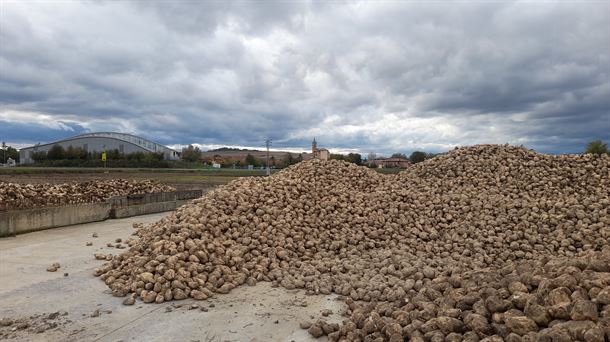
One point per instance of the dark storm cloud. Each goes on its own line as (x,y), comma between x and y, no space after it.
(37,133)
(385,77)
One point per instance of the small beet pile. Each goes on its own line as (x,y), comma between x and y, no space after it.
(26,196)
(485,243)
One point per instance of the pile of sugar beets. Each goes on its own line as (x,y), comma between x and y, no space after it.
(485,243)
(25,196)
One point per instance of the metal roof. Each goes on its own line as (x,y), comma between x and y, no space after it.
(130,138)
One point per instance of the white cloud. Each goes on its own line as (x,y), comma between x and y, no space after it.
(385,76)
(26,117)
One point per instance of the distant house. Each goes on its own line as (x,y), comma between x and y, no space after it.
(400,163)
(217,160)
(316,153)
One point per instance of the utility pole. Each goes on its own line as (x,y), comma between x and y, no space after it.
(268,143)
(4,148)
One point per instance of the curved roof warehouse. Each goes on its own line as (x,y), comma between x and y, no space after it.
(102,141)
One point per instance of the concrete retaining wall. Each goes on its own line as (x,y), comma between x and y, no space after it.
(23,221)
(148,208)
(153,198)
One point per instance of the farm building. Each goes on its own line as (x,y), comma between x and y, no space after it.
(391,163)
(100,142)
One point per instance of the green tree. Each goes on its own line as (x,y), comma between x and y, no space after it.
(597,147)
(56,152)
(39,156)
(355,158)
(337,156)
(69,152)
(288,160)
(399,155)
(9,152)
(113,154)
(80,153)
(191,153)
(417,157)
(250,160)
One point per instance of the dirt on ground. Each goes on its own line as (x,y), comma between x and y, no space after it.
(35,324)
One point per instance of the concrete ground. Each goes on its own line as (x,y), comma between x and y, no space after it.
(28,293)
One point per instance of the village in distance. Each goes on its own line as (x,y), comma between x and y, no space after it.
(111,149)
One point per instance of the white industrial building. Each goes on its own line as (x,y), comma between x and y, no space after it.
(100,142)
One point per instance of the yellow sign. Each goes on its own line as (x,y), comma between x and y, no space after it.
(103,156)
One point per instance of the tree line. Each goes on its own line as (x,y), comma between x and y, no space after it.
(286,161)
(78,157)
(356,158)
(416,156)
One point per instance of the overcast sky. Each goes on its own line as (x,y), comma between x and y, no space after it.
(365,76)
